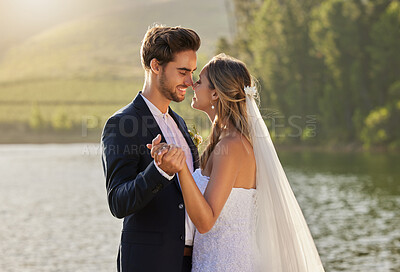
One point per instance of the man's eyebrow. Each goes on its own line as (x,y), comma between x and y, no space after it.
(186,69)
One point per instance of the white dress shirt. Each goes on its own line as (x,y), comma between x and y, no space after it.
(173,135)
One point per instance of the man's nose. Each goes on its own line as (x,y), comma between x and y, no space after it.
(189,80)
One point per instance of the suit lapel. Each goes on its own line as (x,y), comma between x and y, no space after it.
(149,122)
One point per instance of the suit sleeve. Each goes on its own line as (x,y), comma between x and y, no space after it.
(128,190)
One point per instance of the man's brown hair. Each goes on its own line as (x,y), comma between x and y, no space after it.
(162,43)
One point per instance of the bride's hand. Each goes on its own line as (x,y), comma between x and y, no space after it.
(159,151)
(156,146)
(171,159)
(173,153)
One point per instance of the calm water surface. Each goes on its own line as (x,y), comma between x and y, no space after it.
(54,215)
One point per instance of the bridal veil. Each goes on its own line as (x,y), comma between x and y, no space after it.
(283,237)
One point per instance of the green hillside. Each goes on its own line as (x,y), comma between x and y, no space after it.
(107,45)
(89,68)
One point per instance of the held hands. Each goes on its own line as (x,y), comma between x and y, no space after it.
(170,158)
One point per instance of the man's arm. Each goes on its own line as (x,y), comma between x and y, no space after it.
(128,191)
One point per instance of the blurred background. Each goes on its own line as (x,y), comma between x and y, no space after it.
(329,81)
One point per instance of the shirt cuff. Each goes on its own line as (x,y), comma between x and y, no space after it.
(165,175)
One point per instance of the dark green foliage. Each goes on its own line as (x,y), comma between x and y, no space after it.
(337,60)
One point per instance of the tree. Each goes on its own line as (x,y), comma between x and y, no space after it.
(284,58)
(334,59)
(384,52)
(336,33)
(381,125)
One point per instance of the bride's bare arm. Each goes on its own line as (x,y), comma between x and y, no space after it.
(204,210)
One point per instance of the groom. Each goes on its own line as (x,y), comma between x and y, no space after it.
(156,235)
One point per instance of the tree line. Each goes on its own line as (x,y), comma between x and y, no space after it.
(336,60)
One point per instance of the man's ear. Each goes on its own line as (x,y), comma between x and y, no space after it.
(155,66)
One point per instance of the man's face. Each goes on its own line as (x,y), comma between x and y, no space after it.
(176,76)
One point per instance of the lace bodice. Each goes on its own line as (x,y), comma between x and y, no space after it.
(230,245)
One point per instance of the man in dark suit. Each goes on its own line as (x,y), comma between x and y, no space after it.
(157,234)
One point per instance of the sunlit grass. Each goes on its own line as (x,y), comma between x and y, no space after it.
(77,99)
(88,102)
(76,113)
(69,91)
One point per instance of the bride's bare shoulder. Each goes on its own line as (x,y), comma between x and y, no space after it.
(233,152)
(233,145)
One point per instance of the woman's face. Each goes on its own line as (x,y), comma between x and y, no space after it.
(202,99)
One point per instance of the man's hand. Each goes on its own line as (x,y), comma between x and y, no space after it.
(170,158)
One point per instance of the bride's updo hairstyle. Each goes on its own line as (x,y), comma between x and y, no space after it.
(228,77)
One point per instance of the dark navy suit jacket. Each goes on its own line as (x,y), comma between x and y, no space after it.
(153,234)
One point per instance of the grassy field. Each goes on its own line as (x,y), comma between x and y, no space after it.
(77,98)
(79,73)
(70,110)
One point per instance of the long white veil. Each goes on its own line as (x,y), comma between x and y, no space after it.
(284,240)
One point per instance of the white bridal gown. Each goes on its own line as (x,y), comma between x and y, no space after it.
(231,244)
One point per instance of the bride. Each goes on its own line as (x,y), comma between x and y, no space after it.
(246,215)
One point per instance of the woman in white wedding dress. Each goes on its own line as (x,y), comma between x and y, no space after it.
(240,201)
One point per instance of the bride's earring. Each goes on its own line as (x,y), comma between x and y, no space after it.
(212,106)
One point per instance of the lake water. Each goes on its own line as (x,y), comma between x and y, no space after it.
(54,214)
